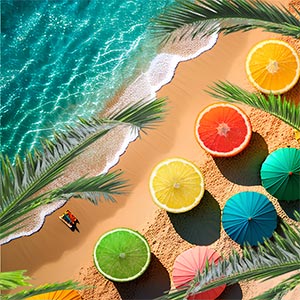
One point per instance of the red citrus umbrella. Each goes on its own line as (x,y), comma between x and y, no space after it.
(188,263)
(223,129)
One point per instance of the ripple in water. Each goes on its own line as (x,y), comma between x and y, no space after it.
(63,59)
(75,80)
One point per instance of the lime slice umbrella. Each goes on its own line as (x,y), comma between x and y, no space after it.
(280,174)
(249,217)
(122,254)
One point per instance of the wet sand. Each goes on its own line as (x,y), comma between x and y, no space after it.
(57,254)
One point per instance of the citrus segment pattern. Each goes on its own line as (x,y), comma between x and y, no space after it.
(273,66)
(122,254)
(223,129)
(176,185)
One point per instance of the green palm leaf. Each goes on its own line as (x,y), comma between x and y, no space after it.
(93,189)
(15,279)
(12,280)
(273,258)
(280,107)
(47,288)
(143,115)
(281,289)
(22,180)
(224,16)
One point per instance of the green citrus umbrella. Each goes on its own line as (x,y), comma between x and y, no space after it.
(280,174)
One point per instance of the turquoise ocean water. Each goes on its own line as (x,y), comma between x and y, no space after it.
(64,58)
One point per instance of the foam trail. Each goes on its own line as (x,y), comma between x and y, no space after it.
(159,73)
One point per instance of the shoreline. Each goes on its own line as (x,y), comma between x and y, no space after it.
(56,254)
(153,80)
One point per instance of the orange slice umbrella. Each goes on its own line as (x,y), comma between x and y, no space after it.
(58,295)
(273,66)
(188,263)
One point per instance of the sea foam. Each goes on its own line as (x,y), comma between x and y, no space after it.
(160,72)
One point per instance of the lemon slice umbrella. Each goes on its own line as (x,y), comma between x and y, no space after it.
(176,185)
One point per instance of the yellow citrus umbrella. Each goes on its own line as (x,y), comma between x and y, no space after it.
(58,295)
(273,66)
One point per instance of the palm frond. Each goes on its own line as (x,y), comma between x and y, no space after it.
(281,289)
(280,107)
(273,258)
(47,288)
(143,115)
(21,180)
(12,280)
(93,189)
(208,16)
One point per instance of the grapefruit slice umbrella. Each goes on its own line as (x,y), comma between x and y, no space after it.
(249,217)
(280,174)
(223,129)
(189,263)
(58,295)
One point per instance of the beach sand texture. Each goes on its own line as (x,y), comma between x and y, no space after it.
(56,254)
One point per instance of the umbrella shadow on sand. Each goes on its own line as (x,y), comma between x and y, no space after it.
(232,292)
(290,207)
(152,284)
(279,230)
(244,168)
(202,224)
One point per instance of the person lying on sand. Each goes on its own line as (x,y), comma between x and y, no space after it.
(72,217)
(69,219)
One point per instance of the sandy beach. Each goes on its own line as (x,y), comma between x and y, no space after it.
(56,254)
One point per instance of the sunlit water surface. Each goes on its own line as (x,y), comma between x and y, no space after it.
(62,59)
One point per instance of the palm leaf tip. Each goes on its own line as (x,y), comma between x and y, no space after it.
(13,279)
(275,257)
(225,16)
(282,108)
(281,289)
(144,114)
(103,186)
(47,288)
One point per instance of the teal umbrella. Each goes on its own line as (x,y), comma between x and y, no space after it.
(249,217)
(280,174)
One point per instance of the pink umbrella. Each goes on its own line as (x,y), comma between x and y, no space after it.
(188,263)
